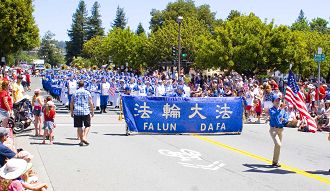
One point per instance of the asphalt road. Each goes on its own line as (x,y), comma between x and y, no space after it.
(114,161)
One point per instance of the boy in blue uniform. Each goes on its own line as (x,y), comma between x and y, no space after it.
(278,119)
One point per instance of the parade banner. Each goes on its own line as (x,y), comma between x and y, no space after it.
(177,115)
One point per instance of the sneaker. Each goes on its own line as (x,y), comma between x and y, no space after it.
(81,144)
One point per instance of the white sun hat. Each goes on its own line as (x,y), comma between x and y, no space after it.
(13,169)
(50,103)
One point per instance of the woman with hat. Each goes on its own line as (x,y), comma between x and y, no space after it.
(37,101)
(10,175)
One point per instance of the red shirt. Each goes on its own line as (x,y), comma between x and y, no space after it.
(4,94)
(258,107)
(50,116)
(28,78)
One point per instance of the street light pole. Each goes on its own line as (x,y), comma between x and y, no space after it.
(319,51)
(179,20)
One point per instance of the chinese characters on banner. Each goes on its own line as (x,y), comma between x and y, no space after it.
(183,115)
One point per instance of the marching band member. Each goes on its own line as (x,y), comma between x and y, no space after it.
(93,88)
(149,89)
(104,87)
(141,88)
(160,89)
(72,86)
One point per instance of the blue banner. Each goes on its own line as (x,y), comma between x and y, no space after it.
(175,115)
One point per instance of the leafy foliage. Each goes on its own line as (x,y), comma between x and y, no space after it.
(18,30)
(50,51)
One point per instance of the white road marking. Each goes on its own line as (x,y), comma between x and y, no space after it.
(184,154)
(190,155)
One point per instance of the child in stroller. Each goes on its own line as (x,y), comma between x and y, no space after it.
(22,112)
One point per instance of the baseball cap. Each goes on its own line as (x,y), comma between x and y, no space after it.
(275,97)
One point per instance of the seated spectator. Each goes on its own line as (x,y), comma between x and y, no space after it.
(324,118)
(5,152)
(292,120)
(10,175)
(30,180)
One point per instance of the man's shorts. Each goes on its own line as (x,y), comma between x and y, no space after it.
(82,120)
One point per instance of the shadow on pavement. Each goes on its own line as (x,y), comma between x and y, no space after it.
(65,144)
(37,143)
(24,135)
(72,139)
(266,169)
(115,134)
(323,172)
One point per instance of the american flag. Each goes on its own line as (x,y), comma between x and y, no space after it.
(296,98)
(112,91)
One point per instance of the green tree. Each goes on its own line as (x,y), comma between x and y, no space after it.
(185,8)
(140,29)
(96,51)
(119,45)
(161,42)
(18,30)
(77,33)
(120,20)
(233,14)
(49,50)
(320,25)
(240,44)
(301,23)
(94,27)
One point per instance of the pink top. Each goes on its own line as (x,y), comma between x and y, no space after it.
(16,185)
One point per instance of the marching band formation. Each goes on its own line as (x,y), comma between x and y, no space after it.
(107,86)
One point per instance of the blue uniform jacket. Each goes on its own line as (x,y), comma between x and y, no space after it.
(275,117)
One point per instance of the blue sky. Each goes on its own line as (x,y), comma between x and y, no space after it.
(56,15)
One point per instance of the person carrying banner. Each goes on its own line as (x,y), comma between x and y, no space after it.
(278,119)
(104,98)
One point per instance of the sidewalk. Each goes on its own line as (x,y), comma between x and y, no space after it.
(23,141)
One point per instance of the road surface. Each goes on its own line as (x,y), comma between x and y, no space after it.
(114,161)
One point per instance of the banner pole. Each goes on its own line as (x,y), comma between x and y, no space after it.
(120,117)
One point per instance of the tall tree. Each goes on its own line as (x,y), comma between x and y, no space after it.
(18,30)
(77,33)
(233,14)
(320,25)
(50,51)
(185,8)
(120,20)
(301,23)
(94,27)
(140,29)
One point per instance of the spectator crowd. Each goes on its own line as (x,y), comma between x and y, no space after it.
(16,169)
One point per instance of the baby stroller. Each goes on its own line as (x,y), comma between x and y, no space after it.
(22,112)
